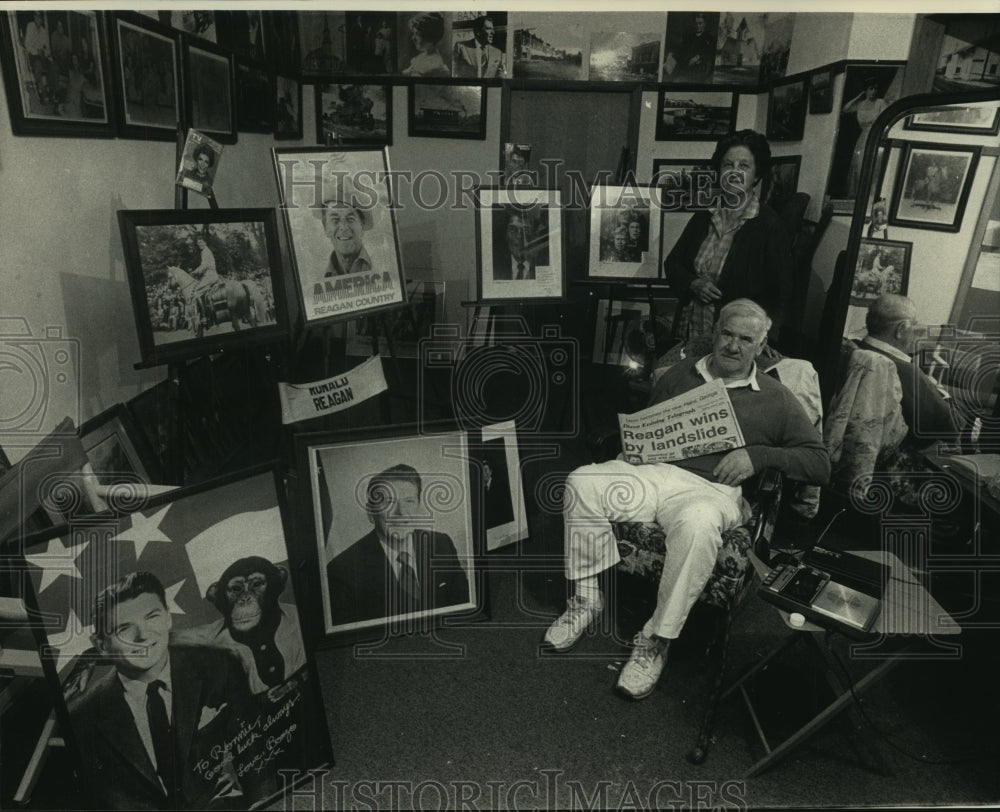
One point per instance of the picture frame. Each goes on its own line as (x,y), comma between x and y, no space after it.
(515,165)
(883,267)
(322,53)
(533,60)
(173,318)
(501,490)
(324,286)
(786,111)
(624,56)
(689,47)
(369,43)
(932,186)
(698,115)
(244,33)
(201,24)
(255,96)
(284,47)
(112,443)
(210,89)
(424,480)
(85,108)
(734,63)
(784,179)
(821,92)
(519,244)
(199,163)
(622,327)
(287,108)
(961,64)
(442,111)
(180,561)
(148,107)
(971,119)
(620,250)
(404,327)
(683,184)
(354,114)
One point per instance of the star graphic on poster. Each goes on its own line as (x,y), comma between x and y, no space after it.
(171,593)
(145,530)
(58,559)
(72,641)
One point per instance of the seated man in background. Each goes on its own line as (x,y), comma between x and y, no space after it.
(694,500)
(893,330)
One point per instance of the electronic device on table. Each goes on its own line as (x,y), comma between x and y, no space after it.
(833,589)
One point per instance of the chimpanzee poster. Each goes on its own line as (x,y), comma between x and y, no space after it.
(173,631)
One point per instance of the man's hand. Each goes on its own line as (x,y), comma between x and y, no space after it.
(705,290)
(734,468)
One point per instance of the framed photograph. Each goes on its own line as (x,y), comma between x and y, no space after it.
(932,186)
(623,328)
(479,49)
(322,44)
(287,108)
(883,267)
(199,163)
(244,33)
(786,111)
(624,234)
(546,47)
(689,47)
(369,43)
(738,56)
(200,24)
(519,244)
(112,443)
(504,516)
(821,92)
(695,115)
(343,233)
(389,521)
(147,80)
(403,327)
(447,111)
(210,83)
(516,165)
(190,590)
(354,115)
(203,280)
(56,71)
(624,56)
(424,50)
(777,45)
(784,179)
(283,46)
(255,111)
(684,185)
(956,118)
(965,59)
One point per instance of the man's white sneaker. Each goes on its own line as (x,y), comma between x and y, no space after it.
(641,673)
(571,624)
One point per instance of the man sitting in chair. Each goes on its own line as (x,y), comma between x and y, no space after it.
(694,500)
(892,331)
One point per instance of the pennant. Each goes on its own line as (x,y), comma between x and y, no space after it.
(303,401)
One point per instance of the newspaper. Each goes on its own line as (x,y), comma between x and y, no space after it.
(698,422)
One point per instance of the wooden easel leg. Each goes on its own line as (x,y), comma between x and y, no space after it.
(33,771)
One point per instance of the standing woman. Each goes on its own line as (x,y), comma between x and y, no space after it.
(867,107)
(741,249)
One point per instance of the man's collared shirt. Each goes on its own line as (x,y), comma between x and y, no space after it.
(362,263)
(750,380)
(887,348)
(135,698)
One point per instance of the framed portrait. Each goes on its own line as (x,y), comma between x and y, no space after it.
(255,111)
(389,522)
(287,108)
(147,77)
(57,72)
(354,115)
(689,47)
(479,44)
(369,42)
(203,280)
(786,111)
(932,186)
(342,229)
(821,91)
(504,516)
(519,244)
(624,56)
(694,115)
(883,267)
(399,331)
(623,329)
(199,163)
(210,85)
(624,234)
(517,165)
(283,46)
(447,111)
(546,46)
(201,578)
(684,185)
(980,119)
(784,179)
(424,45)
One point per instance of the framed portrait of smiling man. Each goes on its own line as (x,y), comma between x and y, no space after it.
(342,229)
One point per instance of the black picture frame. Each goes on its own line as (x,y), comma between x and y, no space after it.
(956,118)
(883,267)
(238,240)
(147,77)
(209,89)
(353,114)
(623,327)
(283,46)
(88,108)
(220,686)
(821,92)
(116,449)
(374,282)
(532,219)
(684,184)
(441,111)
(786,110)
(694,115)
(932,186)
(360,594)
(784,179)
(255,98)
(244,33)
(287,106)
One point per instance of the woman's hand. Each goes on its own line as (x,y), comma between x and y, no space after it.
(705,290)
